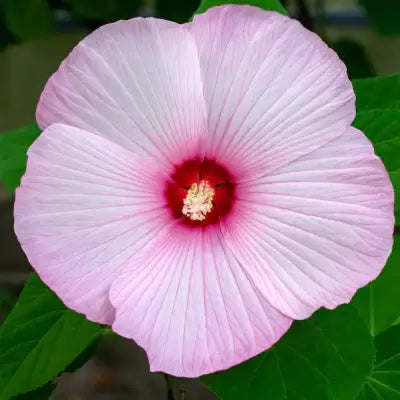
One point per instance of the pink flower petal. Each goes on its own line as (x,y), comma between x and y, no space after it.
(134,82)
(316,230)
(84,208)
(273,89)
(188,302)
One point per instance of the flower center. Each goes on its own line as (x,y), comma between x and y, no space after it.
(200,192)
(198,201)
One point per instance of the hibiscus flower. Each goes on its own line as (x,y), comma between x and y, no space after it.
(199,186)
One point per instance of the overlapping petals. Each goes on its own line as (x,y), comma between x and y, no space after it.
(311,215)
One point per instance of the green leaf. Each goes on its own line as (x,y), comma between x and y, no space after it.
(269,5)
(13,148)
(29,19)
(384,15)
(382,127)
(382,92)
(39,339)
(43,393)
(384,381)
(326,357)
(379,302)
(105,10)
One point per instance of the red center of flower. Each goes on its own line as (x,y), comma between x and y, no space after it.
(201,192)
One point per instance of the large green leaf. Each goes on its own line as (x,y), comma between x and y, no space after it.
(13,148)
(379,302)
(39,339)
(29,19)
(384,15)
(269,5)
(383,129)
(384,381)
(382,92)
(326,357)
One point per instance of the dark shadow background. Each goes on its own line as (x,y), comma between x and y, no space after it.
(35,35)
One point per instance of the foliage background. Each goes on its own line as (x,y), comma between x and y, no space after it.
(339,353)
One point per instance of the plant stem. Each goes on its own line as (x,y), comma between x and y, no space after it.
(170,390)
